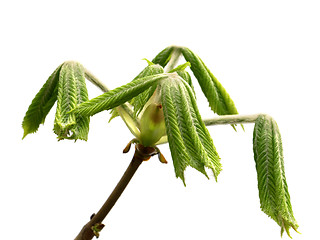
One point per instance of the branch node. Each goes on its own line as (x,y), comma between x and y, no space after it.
(97,229)
(127,148)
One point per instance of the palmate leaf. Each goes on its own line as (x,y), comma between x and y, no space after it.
(72,91)
(41,104)
(218,98)
(118,95)
(67,86)
(273,189)
(189,140)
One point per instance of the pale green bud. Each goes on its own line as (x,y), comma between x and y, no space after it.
(152,125)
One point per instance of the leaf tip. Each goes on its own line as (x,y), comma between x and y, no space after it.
(184,183)
(286,227)
(27,130)
(149,62)
(181,176)
(24,135)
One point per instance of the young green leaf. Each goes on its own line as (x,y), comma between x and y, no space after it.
(114,113)
(189,140)
(140,101)
(180,70)
(71,92)
(218,98)
(164,56)
(213,161)
(273,189)
(41,104)
(178,149)
(118,96)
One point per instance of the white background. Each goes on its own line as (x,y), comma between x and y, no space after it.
(265,53)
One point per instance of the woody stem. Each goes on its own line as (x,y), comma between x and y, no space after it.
(87,233)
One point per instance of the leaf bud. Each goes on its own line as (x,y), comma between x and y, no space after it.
(152,125)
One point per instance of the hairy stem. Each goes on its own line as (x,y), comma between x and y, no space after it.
(222,120)
(96,81)
(87,231)
(231,119)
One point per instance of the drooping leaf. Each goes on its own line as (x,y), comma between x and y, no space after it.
(71,92)
(81,129)
(139,101)
(67,100)
(189,140)
(185,76)
(177,147)
(180,70)
(118,96)
(41,104)
(213,161)
(164,56)
(218,98)
(272,185)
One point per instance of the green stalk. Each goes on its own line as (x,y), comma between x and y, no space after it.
(95,81)
(222,120)
(231,119)
(175,56)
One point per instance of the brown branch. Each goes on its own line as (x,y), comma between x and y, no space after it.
(141,154)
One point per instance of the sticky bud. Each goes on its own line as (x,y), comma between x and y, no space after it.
(152,125)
